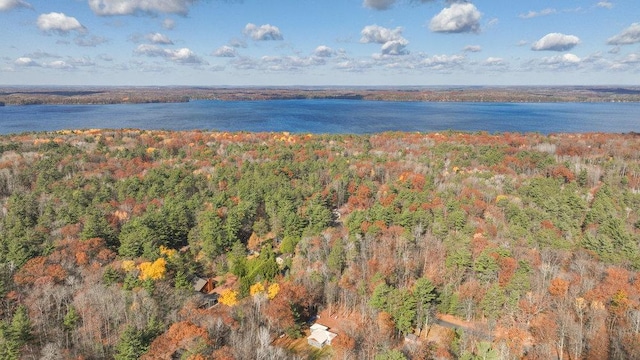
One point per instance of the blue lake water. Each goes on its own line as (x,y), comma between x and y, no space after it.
(329,116)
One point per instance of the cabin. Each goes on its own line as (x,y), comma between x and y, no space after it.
(320,336)
(204,286)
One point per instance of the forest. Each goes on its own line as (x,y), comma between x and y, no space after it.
(404,245)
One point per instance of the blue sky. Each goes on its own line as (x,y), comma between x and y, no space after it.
(319,42)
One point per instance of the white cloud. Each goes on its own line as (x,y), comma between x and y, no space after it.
(237,43)
(443,62)
(180,56)
(395,47)
(25,61)
(472,48)
(494,61)
(532,14)
(605,4)
(378,4)
(631,62)
(157,38)
(556,42)
(184,56)
(59,22)
(458,18)
(168,24)
(391,39)
(355,66)
(6,5)
(225,51)
(277,63)
(570,59)
(379,34)
(556,62)
(83,61)
(129,7)
(262,32)
(290,63)
(59,65)
(631,59)
(630,35)
(324,51)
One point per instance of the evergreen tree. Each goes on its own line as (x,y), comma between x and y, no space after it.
(131,345)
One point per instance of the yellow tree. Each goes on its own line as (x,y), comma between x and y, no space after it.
(273,290)
(256,289)
(153,270)
(228,297)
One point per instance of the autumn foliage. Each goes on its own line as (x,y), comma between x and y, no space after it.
(527,242)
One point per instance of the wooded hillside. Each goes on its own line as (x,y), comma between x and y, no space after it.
(528,242)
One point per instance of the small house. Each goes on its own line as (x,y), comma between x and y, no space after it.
(320,336)
(204,286)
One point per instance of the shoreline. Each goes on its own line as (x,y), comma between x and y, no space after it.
(93,95)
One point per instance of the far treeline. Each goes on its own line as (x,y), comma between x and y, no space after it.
(528,242)
(31,95)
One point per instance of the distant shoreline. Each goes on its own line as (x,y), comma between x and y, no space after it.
(90,95)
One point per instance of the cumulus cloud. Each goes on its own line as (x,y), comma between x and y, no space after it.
(25,61)
(6,5)
(458,18)
(391,39)
(157,38)
(629,62)
(556,42)
(129,7)
(59,22)
(472,48)
(395,47)
(70,63)
(355,66)
(533,14)
(631,59)
(443,62)
(605,4)
(179,56)
(565,61)
(262,32)
(225,51)
(494,61)
(561,59)
(379,34)
(323,51)
(59,65)
(630,35)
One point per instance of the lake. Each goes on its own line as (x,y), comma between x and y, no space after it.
(328,116)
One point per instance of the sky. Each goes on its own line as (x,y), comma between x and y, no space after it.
(319,42)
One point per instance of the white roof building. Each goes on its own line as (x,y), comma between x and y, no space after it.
(320,336)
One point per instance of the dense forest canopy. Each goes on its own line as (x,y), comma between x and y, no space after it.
(407,245)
